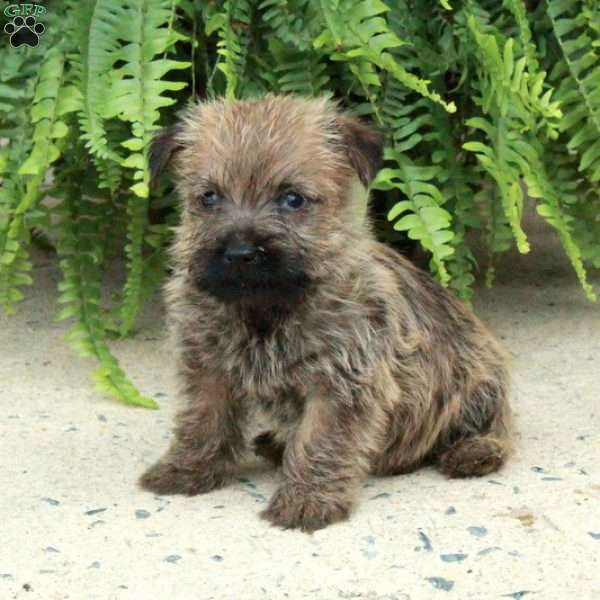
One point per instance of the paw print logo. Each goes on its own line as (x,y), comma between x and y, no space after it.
(24,31)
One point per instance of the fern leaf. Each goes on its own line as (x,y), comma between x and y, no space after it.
(291,21)
(51,102)
(299,72)
(579,92)
(137,93)
(137,88)
(356,31)
(457,183)
(516,106)
(80,294)
(98,31)
(232,25)
(421,212)
(519,11)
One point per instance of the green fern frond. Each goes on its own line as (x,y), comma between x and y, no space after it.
(292,22)
(299,72)
(579,92)
(425,220)
(519,12)
(18,74)
(579,200)
(80,293)
(137,93)
(232,25)
(515,104)
(98,31)
(539,185)
(457,183)
(356,32)
(137,89)
(408,124)
(52,101)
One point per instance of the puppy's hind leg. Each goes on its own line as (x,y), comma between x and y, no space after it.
(482,443)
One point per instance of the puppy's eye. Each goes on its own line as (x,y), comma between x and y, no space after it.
(291,200)
(209,199)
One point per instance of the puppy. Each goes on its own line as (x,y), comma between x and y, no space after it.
(283,304)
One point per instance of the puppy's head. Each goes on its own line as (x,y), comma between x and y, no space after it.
(269,188)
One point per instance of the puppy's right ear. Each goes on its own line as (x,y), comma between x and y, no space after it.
(363,145)
(164,145)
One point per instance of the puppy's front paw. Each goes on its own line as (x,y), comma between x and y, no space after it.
(165,478)
(291,508)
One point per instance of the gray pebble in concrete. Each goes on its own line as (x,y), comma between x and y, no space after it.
(426,543)
(51,501)
(457,557)
(477,531)
(95,511)
(97,523)
(488,550)
(439,583)
(369,552)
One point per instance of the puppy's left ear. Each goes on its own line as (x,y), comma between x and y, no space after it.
(363,145)
(162,149)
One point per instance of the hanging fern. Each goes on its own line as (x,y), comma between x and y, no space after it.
(486,105)
(426,220)
(80,291)
(98,33)
(356,31)
(54,98)
(232,27)
(299,72)
(420,208)
(457,189)
(138,94)
(294,21)
(576,31)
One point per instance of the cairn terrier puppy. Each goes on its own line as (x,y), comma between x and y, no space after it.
(285,307)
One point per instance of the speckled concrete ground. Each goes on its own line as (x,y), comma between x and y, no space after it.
(74,525)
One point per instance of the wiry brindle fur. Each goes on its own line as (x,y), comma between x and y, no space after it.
(363,363)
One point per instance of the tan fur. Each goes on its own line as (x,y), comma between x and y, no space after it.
(375,369)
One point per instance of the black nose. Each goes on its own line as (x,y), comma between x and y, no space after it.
(240,253)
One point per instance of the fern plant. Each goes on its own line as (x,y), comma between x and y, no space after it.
(485,104)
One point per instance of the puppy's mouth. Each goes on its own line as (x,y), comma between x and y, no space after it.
(253,274)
